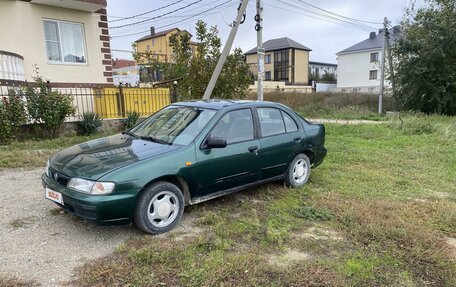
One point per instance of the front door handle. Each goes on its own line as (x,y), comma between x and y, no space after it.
(297,139)
(253,148)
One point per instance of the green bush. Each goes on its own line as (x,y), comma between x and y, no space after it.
(48,108)
(132,119)
(89,123)
(12,116)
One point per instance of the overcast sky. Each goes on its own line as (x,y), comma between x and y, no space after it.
(280,20)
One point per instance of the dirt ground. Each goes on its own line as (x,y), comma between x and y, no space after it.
(39,242)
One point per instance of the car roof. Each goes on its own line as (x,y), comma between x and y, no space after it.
(220,104)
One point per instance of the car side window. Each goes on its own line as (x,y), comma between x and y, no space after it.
(271,121)
(290,124)
(235,126)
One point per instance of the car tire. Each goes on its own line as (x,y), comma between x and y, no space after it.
(159,208)
(298,171)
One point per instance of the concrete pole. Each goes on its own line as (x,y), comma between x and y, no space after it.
(261,52)
(382,73)
(226,51)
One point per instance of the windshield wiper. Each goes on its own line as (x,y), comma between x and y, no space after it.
(152,139)
(130,134)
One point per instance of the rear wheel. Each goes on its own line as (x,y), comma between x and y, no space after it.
(299,171)
(159,208)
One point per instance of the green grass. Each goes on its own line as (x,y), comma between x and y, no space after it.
(34,153)
(378,212)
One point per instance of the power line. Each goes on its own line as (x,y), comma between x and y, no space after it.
(177,22)
(145,13)
(335,14)
(326,16)
(163,20)
(156,17)
(320,16)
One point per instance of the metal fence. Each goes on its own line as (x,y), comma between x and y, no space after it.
(110,102)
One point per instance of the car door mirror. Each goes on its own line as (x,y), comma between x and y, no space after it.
(215,143)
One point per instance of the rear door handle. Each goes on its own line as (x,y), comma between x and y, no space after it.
(297,139)
(253,148)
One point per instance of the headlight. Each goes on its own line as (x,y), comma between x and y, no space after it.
(48,164)
(91,187)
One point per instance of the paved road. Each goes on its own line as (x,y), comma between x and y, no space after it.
(347,122)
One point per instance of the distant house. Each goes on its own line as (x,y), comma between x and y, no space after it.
(157,43)
(320,68)
(67,40)
(359,65)
(285,60)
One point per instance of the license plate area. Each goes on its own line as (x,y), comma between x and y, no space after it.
(53,195)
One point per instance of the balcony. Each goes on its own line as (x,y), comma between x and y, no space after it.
(11,66)
(82,5)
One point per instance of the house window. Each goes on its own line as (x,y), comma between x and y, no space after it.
(267,59)
(373,75)
(374,57)
(267,76)
(64,42)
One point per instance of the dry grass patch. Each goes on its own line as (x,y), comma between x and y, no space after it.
(14,281)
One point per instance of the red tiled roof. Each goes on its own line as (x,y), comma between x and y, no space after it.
(121,63)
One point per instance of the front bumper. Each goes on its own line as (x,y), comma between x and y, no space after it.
(111,209)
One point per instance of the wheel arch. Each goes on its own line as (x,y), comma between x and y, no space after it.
(310,154)
(177,181)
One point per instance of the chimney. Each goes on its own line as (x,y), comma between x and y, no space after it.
(372,35)
(152,30)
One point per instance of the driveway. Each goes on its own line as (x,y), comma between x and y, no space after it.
(39,242)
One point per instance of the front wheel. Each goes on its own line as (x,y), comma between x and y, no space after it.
(299,171)
(159,208)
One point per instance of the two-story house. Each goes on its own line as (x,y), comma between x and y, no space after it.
(359,65)
(68,40)
(158,44)
(285,60)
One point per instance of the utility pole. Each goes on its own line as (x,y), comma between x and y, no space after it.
(382,73)
(260,52)
(226,50)
(391,68)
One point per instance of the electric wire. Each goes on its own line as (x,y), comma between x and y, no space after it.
(148,12)
(156,17)
(176,22)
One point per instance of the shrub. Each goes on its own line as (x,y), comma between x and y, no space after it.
(46,107)
(89,123)
(12,116)
(132,119)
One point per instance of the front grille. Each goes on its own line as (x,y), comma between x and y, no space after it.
(61,178)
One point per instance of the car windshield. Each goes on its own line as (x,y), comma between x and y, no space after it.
(173,125)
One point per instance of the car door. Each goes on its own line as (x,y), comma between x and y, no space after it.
(235,165)
(280,141)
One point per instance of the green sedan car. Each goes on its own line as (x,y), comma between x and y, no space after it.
(186,153)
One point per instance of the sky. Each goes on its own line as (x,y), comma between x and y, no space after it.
(282,18)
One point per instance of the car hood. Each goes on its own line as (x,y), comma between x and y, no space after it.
(93,159)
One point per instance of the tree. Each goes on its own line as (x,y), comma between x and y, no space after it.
(425,58)
(196,67)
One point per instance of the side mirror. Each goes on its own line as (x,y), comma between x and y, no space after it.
(215,143)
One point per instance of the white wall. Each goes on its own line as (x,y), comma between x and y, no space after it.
(22,32)
(353,70)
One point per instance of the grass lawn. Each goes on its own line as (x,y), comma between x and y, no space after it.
(380,211)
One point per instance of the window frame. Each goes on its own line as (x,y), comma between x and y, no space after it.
(268,58)
(294,121)
(268,78)
(254,125)
(376,57)
(259,122)
(84,43)
(371,73)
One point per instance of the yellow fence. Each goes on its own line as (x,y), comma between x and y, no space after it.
(117,102)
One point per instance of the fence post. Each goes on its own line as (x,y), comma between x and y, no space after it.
(121,100)
(174,98)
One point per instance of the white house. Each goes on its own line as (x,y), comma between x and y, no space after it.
(320,68)
(359,65)
(68,40)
